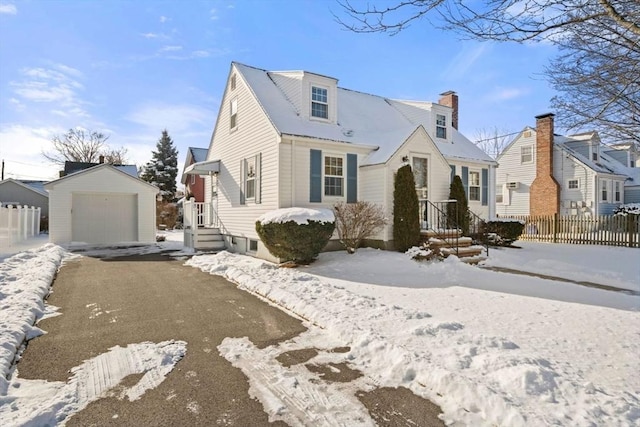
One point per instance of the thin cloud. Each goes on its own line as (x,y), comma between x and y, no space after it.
(150,35)
(463,61)
(507,93)
(170,48)
(163,19)
(8,9)
(176,118)
(58,85)
(213,14)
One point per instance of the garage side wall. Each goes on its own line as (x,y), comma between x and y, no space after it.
(102,180)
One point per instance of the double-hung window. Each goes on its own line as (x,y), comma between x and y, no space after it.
(441,126)
(319,102)
(526,154)
(234,113)
(617,193)
(250,181)
(604,196)
(474,185)
(333,176)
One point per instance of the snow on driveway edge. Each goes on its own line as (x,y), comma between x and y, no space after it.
(25,280)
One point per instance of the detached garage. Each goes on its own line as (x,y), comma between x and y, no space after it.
(101,205)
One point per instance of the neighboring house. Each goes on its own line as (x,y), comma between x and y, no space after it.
(294,138)
(102,204)
(193,183)
(541,173)
(30,193)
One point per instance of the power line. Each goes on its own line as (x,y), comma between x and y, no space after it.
(496,137)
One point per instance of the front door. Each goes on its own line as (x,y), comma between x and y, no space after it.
(421,177)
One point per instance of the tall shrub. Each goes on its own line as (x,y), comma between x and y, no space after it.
(458,213)
(406,216)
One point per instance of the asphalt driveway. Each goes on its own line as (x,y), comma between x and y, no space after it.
(120,301)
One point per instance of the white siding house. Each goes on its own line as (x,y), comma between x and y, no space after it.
(589,180)
(295,138)
(101,205)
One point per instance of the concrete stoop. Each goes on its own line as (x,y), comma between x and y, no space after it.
(445,242)
(208,239)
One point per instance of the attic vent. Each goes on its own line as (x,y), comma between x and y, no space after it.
(512,185)
(347,132)
(526,134)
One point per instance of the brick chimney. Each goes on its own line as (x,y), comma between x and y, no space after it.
(101,159)
(544,196)
(450,99)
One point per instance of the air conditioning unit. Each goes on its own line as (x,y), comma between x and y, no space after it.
(513,185)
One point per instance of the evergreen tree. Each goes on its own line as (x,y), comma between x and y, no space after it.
(162,169)
(458,213)
(406,216)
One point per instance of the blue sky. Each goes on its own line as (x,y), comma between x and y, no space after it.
(132,68)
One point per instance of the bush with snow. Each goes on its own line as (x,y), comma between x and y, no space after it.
(296,234)
(356,222)
(422,253)
(503,232)
(628,209)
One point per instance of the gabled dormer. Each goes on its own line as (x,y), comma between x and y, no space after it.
(441,123)
(314,96)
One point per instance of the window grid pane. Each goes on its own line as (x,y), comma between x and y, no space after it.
(319,110)
(573,184)
(319,94)
(474,186)
(332,186)
(526,154)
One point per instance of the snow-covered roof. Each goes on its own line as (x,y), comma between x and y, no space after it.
(606,163)
(363,119)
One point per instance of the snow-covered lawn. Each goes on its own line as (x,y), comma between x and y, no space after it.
(490,348)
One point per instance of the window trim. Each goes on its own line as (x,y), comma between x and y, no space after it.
(479,186)
(421,189)
(343,177)
(318,102)
(250,177)
(617,192)
(522,149)
(577,181)
(604,190)
(441,125)
(249,242)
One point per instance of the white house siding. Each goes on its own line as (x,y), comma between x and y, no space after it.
(100,180)
(253,135)
(373,189)
(573,201)
(511,169)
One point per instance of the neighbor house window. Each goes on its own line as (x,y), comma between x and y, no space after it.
(250,181)
(441,126)
(234,113)
(319,102)
(594,156)
(333,176)
(603,190)
(474,186)
(526,154)
(574,184)
(420,176)
(617,193)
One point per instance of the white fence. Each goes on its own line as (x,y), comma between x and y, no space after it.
(18,223)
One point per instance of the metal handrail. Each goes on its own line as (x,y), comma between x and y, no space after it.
(436,219)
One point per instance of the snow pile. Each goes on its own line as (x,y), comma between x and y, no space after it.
(301,216)
(38,402)
(629,208)
(25,280)
(487,358)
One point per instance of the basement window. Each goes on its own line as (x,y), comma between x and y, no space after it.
(253,245)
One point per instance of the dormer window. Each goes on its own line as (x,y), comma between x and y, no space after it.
(319,102)
(441,126)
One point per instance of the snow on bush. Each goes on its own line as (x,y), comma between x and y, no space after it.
(629,208)
(297,215)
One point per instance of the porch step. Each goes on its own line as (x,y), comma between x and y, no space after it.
(208,238)
(463,252)
(211,245)
(440,234)
(461,242)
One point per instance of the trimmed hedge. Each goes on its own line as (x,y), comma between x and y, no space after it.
(507,232)
(291,241)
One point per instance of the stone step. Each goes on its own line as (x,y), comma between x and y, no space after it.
(470,251)
(441,234)
(451,242)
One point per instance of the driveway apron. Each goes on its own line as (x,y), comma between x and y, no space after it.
(120,301)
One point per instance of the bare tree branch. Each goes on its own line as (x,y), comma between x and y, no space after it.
(78,145)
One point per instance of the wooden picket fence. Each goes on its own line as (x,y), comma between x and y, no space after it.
(614,230)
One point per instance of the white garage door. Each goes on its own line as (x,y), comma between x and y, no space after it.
(104,218)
